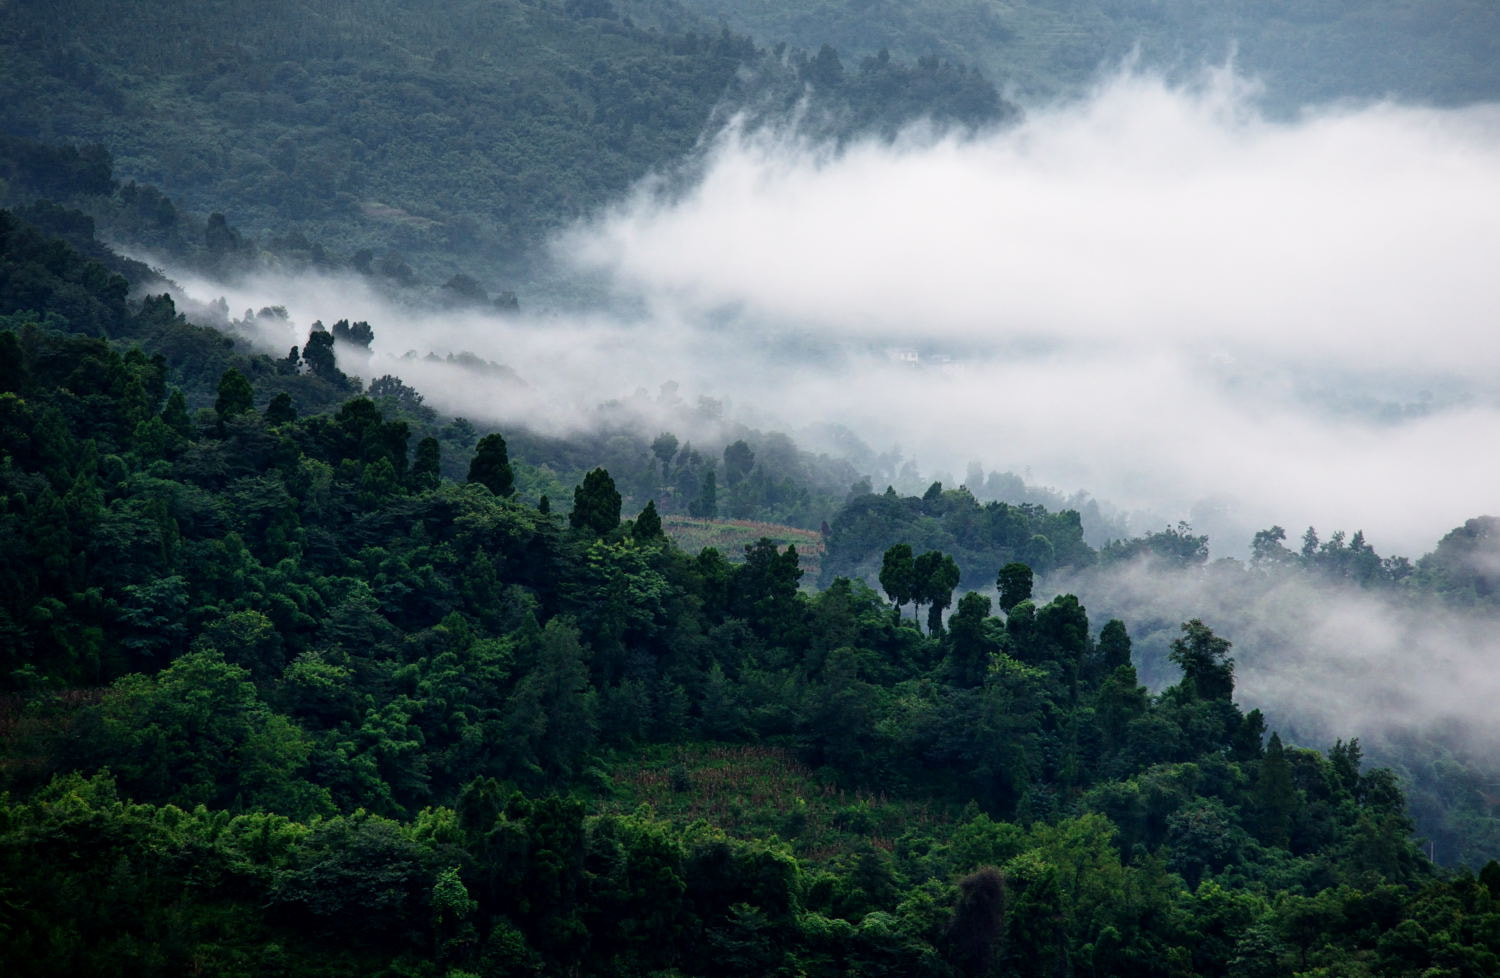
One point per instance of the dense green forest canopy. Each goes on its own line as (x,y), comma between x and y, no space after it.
(301,676)
(284,696)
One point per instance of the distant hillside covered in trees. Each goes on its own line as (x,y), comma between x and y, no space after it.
(1441,52)
(417,141)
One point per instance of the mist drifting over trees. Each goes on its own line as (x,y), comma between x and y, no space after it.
(614,487)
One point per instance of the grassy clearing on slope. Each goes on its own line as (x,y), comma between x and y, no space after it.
(757,791)
(730,537)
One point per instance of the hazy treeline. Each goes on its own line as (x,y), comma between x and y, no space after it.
(1434,52)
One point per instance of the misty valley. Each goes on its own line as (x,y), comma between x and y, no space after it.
(687,489)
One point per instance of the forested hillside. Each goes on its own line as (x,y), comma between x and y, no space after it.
(300,675)
(283,696)
(407,141)
(1440,52)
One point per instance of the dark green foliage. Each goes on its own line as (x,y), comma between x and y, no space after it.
(235,395)
(1114,645)
(936,577)
(898,574)
(1014,584)
(648,524)
(58,172)
(975,933)
(304,170)
(281,410)
(325,679)
(402,163)
(359,334)
(490,466)
(738,461)
(1275,797)
(1207,669)
(972,643)
(38,275)
(318,355)
(706,505)
(1178,547)
(426,466)
(1247,741)
(596,504)
(1353,560)
(763,590)
(953,522)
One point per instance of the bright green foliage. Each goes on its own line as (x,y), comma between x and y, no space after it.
(198,734)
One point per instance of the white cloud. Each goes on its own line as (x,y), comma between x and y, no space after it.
(1155,294)
(1336,660)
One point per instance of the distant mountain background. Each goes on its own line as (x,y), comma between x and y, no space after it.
(1443,52)
(415,141)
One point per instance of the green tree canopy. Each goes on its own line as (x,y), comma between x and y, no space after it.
(648,524)
(426,467)
(898,574)
(1207,669)
(235,394)
(596,504)
(1014,583)
(491,466)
